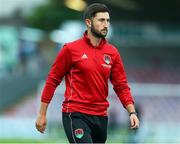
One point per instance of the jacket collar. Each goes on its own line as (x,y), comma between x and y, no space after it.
(87,40)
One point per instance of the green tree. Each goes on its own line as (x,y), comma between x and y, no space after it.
(50,16)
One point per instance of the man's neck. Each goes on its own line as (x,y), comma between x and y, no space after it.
(94,40)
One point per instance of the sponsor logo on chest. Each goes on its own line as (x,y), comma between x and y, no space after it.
(84,56)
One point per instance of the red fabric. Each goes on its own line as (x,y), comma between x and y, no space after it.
(87,70)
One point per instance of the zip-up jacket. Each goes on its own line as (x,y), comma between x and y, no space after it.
(87,70)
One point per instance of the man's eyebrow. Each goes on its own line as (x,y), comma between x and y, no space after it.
(104,18)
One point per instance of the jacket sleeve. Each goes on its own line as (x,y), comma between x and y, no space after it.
(119,81)
(59,68)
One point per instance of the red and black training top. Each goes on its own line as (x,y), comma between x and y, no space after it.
(87,70)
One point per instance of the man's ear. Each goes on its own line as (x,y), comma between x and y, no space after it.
(88,22)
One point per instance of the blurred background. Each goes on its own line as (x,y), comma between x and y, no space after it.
(147,34)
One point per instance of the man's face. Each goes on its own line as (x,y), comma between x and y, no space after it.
(100,24)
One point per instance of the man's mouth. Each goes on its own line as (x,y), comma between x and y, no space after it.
(104,30)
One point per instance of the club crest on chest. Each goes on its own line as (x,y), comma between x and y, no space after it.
(79,133)
(107,59)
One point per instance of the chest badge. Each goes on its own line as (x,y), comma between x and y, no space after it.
(79,133)
(107,59)
(84,56)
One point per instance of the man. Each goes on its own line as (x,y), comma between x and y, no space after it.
(87,64)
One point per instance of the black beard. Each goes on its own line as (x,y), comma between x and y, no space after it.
(97,34)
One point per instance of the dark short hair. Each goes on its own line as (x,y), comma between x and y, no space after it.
(94,8)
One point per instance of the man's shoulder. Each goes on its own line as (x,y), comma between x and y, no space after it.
(74,43)
(111,47)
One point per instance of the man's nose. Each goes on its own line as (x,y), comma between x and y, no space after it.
(106,24)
